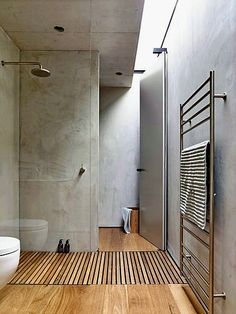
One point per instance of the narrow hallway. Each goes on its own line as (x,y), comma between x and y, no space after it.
(114,239)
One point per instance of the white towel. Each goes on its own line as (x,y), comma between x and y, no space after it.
(193,180)
(126,212)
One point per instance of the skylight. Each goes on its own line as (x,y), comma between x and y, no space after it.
(155,19)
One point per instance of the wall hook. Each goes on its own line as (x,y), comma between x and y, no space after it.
(82,170)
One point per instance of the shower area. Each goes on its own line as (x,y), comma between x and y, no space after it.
(49,129)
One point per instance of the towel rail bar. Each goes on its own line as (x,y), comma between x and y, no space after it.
(194,102)
(196,114)
(200,300)
(193,224)
(196,125)
(195,236)
(196,280)
(196,270)
(196,259)
(196,92)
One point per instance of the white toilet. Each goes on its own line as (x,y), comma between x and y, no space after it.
(33,232)
(9,258)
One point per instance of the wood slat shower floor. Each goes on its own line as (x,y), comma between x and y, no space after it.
(96,268)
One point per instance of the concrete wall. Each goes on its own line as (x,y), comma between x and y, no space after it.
(59,133)
(119,152)
(9,139)
(202,38)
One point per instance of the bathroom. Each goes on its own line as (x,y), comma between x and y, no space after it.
(70,149)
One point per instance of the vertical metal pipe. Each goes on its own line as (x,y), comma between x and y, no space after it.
(165,150)
(181,218)
(211,226)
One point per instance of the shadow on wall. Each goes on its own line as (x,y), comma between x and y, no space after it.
(109,95)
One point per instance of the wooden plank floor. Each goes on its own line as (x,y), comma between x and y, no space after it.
(96,268)
(105,299)
(114,239)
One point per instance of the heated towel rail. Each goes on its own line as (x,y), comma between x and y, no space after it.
(198,109)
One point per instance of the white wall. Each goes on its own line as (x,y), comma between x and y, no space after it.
(202,38)
(119,152)
(59,132)
(9,139)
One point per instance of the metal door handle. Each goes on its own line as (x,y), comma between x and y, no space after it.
(140,170)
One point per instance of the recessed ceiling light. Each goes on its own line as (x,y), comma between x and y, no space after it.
(59,28)
(119,73)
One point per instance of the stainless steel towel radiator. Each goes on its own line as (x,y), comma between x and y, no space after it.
(200,276)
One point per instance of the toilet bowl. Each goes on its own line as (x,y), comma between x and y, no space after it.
(9,258)
(33,232)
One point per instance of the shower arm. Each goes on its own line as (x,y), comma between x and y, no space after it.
(22,63)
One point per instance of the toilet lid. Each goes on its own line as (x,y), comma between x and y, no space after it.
(8,245)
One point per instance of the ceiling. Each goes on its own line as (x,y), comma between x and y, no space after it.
(109,26)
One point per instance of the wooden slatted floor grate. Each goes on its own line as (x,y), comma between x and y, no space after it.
(85,268)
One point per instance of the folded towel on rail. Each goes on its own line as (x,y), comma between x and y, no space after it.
(194,183)
(126,212)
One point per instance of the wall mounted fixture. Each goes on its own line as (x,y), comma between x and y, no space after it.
(199,276)
(82,170)
(139,71)
(59,28)
(39,71)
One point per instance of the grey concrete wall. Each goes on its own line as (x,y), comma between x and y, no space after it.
(59,133)
(119,152)
(9,139)
(202,38)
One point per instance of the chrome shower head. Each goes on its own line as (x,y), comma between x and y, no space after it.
(40,72)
